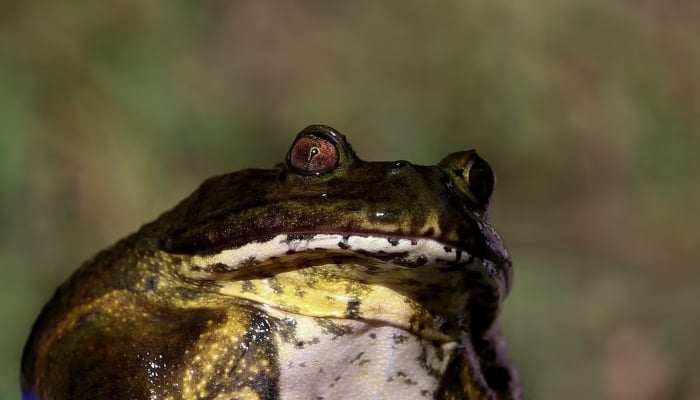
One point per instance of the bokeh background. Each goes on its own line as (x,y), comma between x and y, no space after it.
(589,111)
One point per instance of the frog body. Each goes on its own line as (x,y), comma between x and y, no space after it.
(326,277)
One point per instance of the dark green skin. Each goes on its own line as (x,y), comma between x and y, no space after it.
(129,302)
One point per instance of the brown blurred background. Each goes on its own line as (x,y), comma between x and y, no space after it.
(111,112)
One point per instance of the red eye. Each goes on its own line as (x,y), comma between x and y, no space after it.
(313,154)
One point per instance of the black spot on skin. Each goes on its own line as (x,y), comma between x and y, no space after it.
(299,344)
(353,308)
(423,362)
(263,239)
(219,267)
(300,236)
(363,362)
(398,338)
(401,374)
(275,285)
(333,328)
(260,331)
(151,283)
(448,249)
(343,245)
(393,241)
(424,393)
(249,262)
(287,329)
(410,381)
(247,287)
(372,335)
(401,259)
(357,357)
(414,242)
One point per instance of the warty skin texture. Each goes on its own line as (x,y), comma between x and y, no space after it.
(323,277)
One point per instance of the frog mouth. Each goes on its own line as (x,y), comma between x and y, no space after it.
(419,284)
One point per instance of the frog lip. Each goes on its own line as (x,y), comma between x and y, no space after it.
(380,252)
(401,251)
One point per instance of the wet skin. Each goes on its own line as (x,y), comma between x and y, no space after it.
(324,277)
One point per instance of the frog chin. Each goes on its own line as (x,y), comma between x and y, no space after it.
(416,284)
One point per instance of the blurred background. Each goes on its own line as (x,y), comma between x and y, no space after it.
(589,111)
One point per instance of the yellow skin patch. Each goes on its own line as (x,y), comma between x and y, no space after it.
(359,287)
(324,277)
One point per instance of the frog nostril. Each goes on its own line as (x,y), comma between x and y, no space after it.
(398,167)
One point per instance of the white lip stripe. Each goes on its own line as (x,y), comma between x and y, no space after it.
(280,245)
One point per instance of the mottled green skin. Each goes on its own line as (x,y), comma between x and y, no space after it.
(130,324)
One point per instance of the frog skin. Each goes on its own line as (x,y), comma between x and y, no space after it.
(325,277)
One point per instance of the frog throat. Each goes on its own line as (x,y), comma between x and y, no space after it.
(418,284)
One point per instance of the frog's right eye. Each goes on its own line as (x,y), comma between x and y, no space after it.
(314,152)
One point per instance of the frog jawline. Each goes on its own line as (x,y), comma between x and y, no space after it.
(233,268)
(404,252)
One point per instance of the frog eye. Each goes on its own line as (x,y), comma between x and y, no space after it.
(480,178)
(313,152)
(472,175)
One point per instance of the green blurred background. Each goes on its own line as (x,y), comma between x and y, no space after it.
(111,112)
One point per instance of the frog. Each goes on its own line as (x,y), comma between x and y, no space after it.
(324,277)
